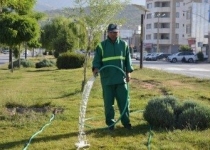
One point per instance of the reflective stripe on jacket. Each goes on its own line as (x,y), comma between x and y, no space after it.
(117,54)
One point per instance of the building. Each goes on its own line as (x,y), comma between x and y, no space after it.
(171,23)
(130,29)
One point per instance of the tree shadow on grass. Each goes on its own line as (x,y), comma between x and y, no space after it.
(43,70)
(97,133)
(75,92)
(10,145)
(120,131)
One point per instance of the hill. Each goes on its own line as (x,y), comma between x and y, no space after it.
(131,14)
(43,5)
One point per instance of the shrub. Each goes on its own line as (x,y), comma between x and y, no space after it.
(50,52)
(160,112)
(200,56)
(27,63)
(185,48)
(166,112)
(70,60)
(193,116)
(56,54)
(45,53)
(23,63)
(45,63)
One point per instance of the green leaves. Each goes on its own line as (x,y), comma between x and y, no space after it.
(16,29)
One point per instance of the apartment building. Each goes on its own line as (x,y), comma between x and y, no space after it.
(171,23)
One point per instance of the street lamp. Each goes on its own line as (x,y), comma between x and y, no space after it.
(158,32)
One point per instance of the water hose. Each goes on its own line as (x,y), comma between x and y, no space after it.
(35,134)
(82,141)
(121,114)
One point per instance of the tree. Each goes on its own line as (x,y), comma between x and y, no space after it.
(57,35)
(185,48)
(17,23)
(16,29)
(97,18)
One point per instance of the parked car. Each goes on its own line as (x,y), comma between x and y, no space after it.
(138,56)
(146,55)
(150,56)
(159,56)
(134,55)
(5,51)
(186,56)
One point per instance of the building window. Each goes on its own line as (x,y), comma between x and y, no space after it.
(188,14)
(188,29)
(148,26)
(177,36)
(164,25)
(155,35)
(148,37)
(177,14)
(177,4)
(177,25)
(162,4)
(149,5)
(163,36)
(149,16)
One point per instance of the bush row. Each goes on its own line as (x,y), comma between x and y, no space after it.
(64,61)
(168,112)
(70,60)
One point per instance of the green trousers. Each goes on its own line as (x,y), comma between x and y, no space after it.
(120,93)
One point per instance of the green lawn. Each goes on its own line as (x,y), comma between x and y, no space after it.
(29,96)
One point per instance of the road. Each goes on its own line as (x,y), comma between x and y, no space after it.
(198,70)
(4,58)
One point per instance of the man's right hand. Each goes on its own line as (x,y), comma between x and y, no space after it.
(95,72)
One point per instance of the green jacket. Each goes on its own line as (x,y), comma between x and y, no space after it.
(116,54)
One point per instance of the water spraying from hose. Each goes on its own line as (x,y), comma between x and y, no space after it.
(82,141)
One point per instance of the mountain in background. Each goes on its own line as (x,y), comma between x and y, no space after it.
(131,13)
(43,5)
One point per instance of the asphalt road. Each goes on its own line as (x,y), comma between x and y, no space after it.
(4,58)
(198,70)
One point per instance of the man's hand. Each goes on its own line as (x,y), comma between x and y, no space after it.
(95,72)
(128,77)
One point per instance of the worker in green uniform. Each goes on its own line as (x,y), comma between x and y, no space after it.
(115,52)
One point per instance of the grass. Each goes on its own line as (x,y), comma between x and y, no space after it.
(50,88)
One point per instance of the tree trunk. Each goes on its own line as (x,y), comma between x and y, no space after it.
(10,59)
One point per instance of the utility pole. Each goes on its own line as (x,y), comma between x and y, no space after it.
(142,33)
(209,47)
(141,41)
(158,33)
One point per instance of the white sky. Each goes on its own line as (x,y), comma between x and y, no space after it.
(139,2)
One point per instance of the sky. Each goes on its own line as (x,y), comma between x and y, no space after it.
(57,4)
(139,2)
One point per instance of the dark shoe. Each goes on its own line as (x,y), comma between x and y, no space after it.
(128,126)
(111,128)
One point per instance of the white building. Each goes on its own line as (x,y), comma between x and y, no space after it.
(171,23)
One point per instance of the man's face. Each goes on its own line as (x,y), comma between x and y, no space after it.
(113,35)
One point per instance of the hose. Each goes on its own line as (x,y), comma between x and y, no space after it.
(35,134)
(127,94)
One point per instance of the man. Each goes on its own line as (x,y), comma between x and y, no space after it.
(115,52)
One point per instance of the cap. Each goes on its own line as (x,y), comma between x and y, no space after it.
(113,28)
